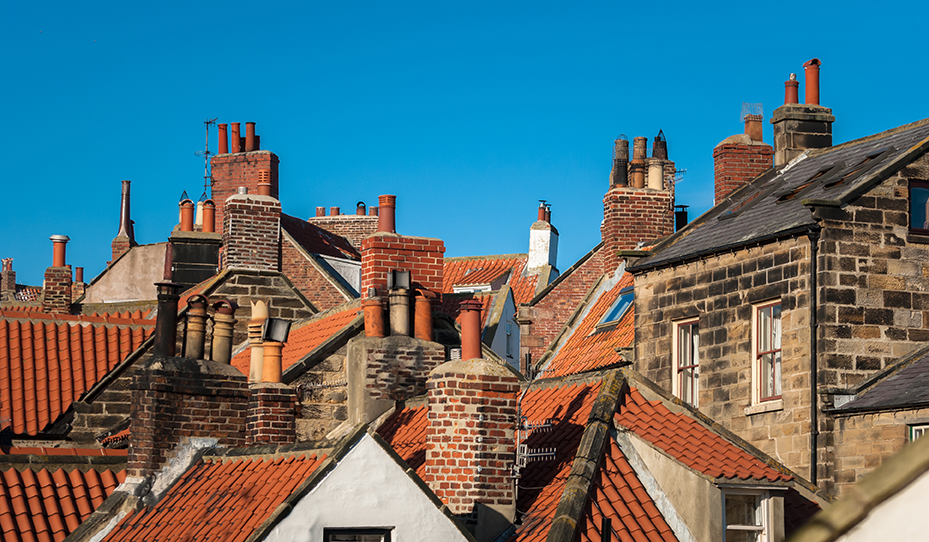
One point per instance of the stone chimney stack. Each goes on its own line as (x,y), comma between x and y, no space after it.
(798,127)
(640,211)
(740,158)
(56,290)
(241,165)
(251,232)
(543,242)
(7,282)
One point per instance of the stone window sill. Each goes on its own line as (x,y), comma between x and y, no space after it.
(917,238)
(767,406)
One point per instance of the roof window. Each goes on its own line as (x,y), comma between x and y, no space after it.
(618,309)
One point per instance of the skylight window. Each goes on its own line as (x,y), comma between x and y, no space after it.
(619,307)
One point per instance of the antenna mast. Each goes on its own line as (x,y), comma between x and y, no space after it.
(205,153)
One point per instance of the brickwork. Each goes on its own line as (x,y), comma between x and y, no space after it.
(308,279)
(230,171)
(352,227)
(737,164)
(7,282)
(56,290)
(174,399)
(385,252)
(722,292)
(541,322)
(252,233)
(271,414)
(324,397)
(633,215)
(864,441)
(120,246)
(77,290)
(471,441)
(396,368)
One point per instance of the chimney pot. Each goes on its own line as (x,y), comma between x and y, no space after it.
(242,190)
(255,326)
(548,214)
(753,127)
(386,220)
(471,329)
(791,91)
(78,274)
(399,312)
(58,249)
(271,366)
(196,327)
(373,316)
(125,222)
(223,327)
(187,215)
(320,211)
(250,137)
(209,216)
(541,211)
(236,139)
(223,139)
(334,211)
(619,175)
(423,321)
(372,211)
(360,208)
(811,68)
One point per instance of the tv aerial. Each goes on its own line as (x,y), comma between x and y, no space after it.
(205,153)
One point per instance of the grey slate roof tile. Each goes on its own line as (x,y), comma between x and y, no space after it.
(907,386)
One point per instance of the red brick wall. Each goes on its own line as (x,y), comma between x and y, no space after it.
(120,246)
(383,253)
(736,165)
(252,233)
(632,215)
(472,424)
(352,227)
(230,171)
(56,293)
(540,323)
(306,278)
(271,416)
(7,281)
(175,399)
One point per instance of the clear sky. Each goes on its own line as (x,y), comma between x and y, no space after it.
(470,112)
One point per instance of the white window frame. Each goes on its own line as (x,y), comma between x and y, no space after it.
(676,373)
(762,513)
(916,431)
(757,381)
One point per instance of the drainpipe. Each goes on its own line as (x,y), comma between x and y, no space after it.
(813,234)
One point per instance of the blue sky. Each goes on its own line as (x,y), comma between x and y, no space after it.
(469,112)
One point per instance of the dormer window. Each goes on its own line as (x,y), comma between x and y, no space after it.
(618,309)
(745,516)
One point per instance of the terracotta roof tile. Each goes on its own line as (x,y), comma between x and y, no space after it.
(47,363)
(304,339)
(485,270)
(451,304)
(692,444)
(43,505)
(588,348)
(219,500)
(405,431)
(621,497)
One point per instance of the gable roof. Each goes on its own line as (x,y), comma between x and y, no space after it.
(480,270)
(220,498)
(777,204)
(589,345)
(48,361)
(316,240)
(41,504)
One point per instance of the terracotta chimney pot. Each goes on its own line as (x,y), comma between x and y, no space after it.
(471,329)
(58,249)
(187,215)
(234,136)
(209,216)
(250,137)
(223,139)
(386,220)
(811,69)
(791,91)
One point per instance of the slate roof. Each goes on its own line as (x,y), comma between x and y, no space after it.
(774,204)
(48,361)
(305,338)
(588,348)
(904,385)
(316,240)
(219,499)
(487,269)
(41,504)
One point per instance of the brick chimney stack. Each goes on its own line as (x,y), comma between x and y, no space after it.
(56,290)
(252,232)
(740,158)
(798,127)
(243,166)
(640,211)
(7,281)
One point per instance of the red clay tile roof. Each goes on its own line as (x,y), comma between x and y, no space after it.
(135,318)
(304,339)
(116,438)
(485,270)
(621,497)
(72,452)
(27,293)
(689,442)
(587,348)
(543,482)
(42,505)
(47,363)
(451,304)
(316,240)
(219,500)
(405,431)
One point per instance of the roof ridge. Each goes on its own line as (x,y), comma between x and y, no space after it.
(514,256)
(871,137)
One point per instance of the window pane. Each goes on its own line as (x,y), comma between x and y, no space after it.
(742,536)
(777,373)
(919,203)
(764,329)
(776,327)
(766,363)
(742,510)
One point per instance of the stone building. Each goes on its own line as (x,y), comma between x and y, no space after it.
(809,278)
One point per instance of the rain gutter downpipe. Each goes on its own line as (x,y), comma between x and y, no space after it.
(813,233)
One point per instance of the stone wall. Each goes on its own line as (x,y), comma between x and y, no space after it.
(323,396)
